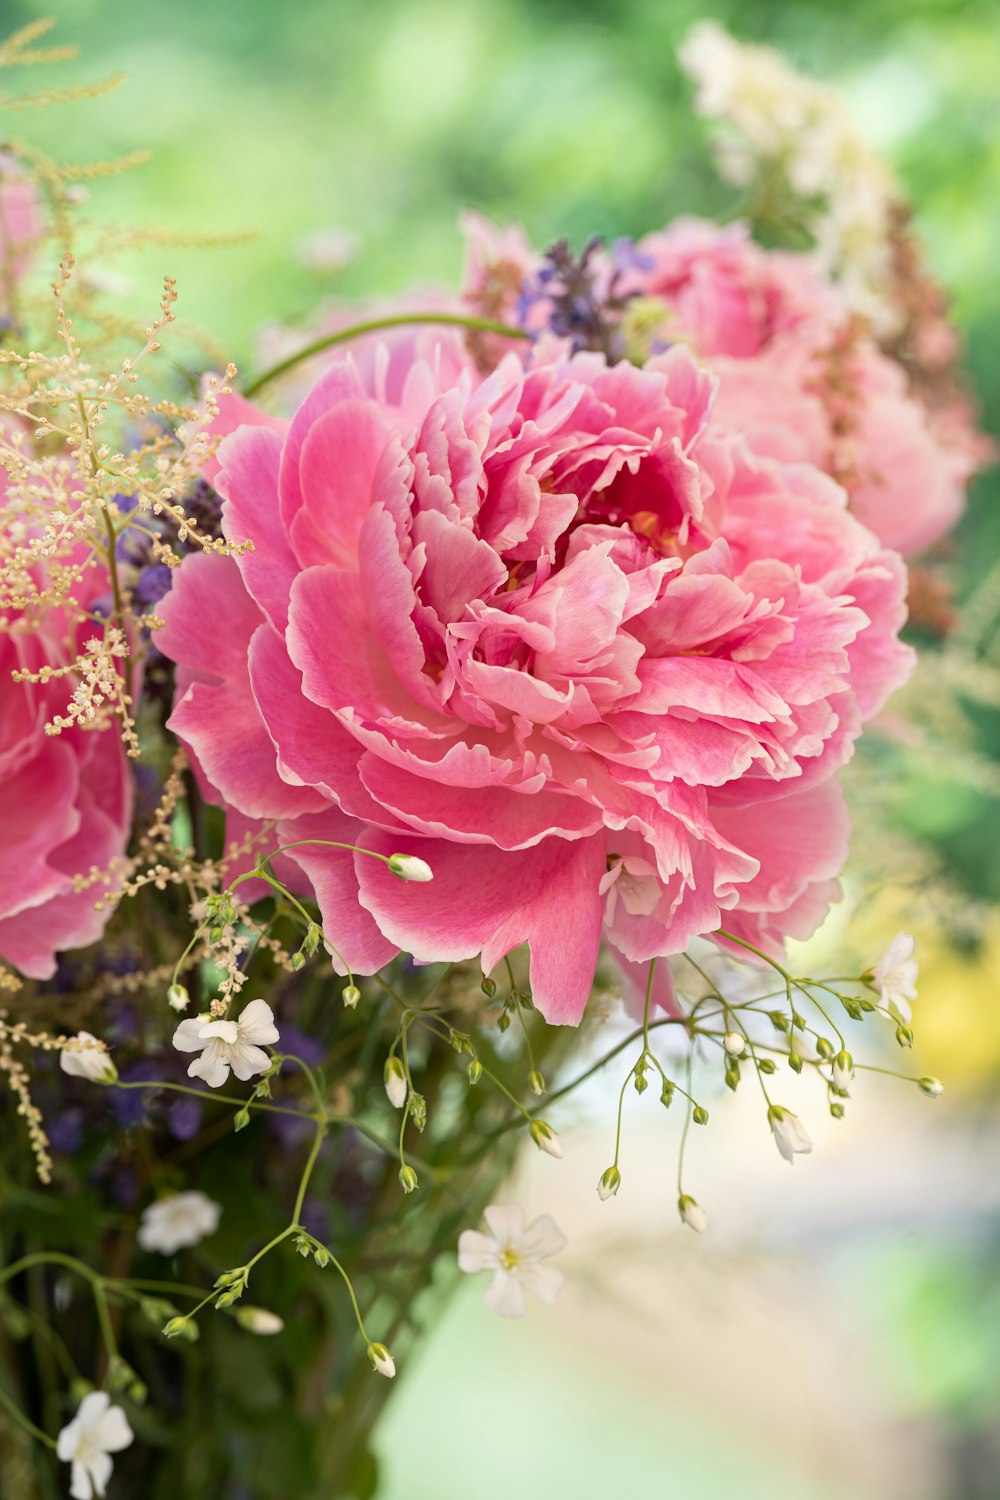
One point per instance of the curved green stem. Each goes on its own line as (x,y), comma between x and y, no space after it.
(375,325)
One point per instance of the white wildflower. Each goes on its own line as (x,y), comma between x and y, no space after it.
(692,1213)
(396,1087)
(382,1361)
(84,1057)
(514,1252)
(408,867)
(545,1138)
(98,1430)
(259,1320)
(174,1223)
(896,976)
(228,1044)
(790,1134)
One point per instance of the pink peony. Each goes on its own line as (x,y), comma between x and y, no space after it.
(553,633)
(803,383)
(65,800)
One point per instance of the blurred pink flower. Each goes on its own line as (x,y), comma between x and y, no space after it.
(65,800)
(536,630)
(803,381)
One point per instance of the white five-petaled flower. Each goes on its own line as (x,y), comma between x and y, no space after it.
(98,1430)
(513,1252)
(409,867)
(174,1223)
(84,1057)
(790,1134)
(896,976)
(228,1044)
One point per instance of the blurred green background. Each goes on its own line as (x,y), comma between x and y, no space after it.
(839,1332)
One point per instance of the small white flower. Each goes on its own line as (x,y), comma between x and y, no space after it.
(408,867)
(789,1132)
(228,1044)
(896,976)
(382,1361)
(396,1086)
(174,1223)
(84,1057)
(546,1139)
(843,1069)
(734,1044)
(692,1213)
(259,1320)
(98,1430)
(513,1252)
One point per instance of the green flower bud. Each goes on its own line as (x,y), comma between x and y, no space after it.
(408,1179)
(609,1184)
(350,995)
(699,1115)
(932,1087)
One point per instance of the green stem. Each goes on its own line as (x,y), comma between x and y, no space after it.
(14,1411)
(375,325)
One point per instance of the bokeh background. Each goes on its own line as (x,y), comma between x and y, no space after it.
(837,1332)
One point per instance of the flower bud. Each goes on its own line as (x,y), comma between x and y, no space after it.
(609,1184)
(766,1065)
(174,1327)
(474,1071)
(396,1086)
(488,987)
(350,995)
(824,1047)
(932,1087)
(692,1213)
(699,1115)
(904,1036)
(545,1138)
(734,1044)
(178,997)
(667,1094)
(843,1069)
(408,867)
(837,1110)
(790,1135)
(259,1320)
(408,1179)
(537,1083)
(382,1360)
(795,1062)
(503,1021)
(298,960)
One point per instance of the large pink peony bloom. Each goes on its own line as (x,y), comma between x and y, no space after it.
(802,384)
(552,633)
(65,800)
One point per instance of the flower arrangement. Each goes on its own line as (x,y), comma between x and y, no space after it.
(369,727)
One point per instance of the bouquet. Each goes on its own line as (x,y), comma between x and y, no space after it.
(395,739)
